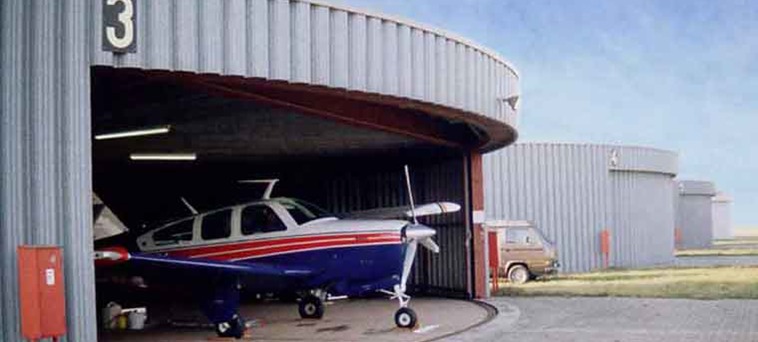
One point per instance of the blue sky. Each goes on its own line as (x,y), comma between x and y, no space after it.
(679,75)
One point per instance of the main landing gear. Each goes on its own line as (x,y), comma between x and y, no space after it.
(311,306)
(232,328)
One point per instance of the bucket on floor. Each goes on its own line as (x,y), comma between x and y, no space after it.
(137,318)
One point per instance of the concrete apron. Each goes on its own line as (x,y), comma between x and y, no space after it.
(345,320)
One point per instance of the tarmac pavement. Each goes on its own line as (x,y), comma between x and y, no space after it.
(527,319)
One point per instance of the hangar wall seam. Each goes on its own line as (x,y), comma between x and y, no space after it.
(45,151)
(306,42)
(573,191)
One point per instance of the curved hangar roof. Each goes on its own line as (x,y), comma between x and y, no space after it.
(310,54)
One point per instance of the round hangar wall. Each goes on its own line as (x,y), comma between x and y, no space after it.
(572,192)
(366,70)
(722,216)
(694,214)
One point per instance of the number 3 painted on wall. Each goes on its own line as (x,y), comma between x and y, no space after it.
(126,19)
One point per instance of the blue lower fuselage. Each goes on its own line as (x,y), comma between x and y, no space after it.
(349,271)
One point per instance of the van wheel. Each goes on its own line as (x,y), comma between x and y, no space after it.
(518,274)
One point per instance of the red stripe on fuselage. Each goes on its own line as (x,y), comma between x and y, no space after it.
(261,247)
(274,250)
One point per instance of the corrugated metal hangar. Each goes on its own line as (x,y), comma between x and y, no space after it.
(722,216)
(572,192)
(331,100)
(694,214)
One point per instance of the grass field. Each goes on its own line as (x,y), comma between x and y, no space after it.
(696,283)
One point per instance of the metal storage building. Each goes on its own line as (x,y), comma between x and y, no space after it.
(722,216)
(359,84)
(694,214)
(574,191)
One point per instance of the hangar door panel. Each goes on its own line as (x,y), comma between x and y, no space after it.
(445,273)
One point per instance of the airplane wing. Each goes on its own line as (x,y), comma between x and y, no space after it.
(427,209)
(118,255)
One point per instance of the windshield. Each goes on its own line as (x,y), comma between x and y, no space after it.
(302,211)
(542,236)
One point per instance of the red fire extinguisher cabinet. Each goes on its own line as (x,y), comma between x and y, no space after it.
(41,292)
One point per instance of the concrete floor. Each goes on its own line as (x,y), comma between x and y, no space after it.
(618,319)
(348,320)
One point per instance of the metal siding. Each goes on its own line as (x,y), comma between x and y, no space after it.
(722,218)
(375,56)
(339,49)
(405,56)
(417,64)
(357,52)
(390,67)
(694,216)
(320,45)
(301,42)
(45,152)
(257,37)
(279,40)
(571,193)
(235,44)
(186,37)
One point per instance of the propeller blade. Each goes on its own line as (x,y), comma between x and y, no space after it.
(430,245)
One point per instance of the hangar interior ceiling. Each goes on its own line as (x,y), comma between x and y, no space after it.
(337,164)
(241,122)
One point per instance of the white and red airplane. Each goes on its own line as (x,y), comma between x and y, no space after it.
(281,245)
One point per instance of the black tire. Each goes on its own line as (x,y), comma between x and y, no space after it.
(405,318)
(233,328)
(311,307)
(518,274)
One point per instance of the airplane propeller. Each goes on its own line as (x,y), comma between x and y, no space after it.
(418,233)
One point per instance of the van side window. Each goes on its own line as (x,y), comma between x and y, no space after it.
(180,231)
(217,225)
(517,236)
(260,219)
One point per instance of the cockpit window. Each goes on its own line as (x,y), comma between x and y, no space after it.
(217,225)
(180,231)
(260,219)
(302,211)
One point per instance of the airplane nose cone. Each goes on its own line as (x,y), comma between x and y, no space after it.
(418,231)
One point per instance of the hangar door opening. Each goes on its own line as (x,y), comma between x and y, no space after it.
(222,133)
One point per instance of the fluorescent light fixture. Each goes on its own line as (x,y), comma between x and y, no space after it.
(135,133)
(162,156)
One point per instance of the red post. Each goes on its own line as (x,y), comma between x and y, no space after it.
(605,246)
(494,254)
(477,203)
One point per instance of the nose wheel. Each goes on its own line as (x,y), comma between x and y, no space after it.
(405,318)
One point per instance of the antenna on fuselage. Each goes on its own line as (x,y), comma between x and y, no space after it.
(410,194)
(189,206)
(269,187)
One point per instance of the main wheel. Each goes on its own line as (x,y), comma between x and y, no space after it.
(518,274)
(311,307)
(405,318)
(233,328)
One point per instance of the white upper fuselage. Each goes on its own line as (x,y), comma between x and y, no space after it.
(263,228)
